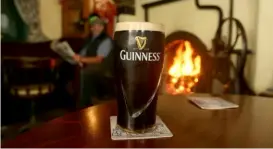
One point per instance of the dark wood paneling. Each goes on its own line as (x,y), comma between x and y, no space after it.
(125,6)
(16,49)
(72,12)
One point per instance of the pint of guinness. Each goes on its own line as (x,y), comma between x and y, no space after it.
(139,56)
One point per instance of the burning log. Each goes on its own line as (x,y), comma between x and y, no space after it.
(185,70)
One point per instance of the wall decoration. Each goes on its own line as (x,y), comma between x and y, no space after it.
(125,6)
(12,26)
(76,12)
(30,14)
(106,9)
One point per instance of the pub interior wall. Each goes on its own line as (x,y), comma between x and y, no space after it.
(256,16)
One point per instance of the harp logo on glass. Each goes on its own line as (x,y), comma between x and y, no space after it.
(139,53)
(141,42)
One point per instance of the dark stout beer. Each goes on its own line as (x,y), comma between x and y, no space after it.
(139,58)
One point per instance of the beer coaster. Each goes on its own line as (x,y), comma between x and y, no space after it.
(160,131)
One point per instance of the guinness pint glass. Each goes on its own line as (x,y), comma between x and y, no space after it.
(138,61)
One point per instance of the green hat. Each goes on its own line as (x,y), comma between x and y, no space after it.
(95,20)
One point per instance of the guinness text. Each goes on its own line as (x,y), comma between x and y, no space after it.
(139,56)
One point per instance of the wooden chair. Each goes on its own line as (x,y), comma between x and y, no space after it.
(30,79)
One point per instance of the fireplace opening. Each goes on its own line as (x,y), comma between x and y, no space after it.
(185,70)
(187,64)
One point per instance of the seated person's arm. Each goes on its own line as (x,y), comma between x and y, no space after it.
(91,60)
(102,51)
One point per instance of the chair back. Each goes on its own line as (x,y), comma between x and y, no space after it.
(29,76)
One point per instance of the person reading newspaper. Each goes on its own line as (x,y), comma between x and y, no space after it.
(93,58)
(65,51)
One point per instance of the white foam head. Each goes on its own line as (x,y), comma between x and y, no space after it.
(146,26)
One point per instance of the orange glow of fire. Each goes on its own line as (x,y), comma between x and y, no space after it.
(185,70)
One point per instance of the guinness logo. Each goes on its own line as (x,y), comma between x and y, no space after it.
(141,42)
(139,53)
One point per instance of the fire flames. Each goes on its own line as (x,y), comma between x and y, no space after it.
(185,70)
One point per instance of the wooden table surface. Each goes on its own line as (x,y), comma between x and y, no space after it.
(250,125)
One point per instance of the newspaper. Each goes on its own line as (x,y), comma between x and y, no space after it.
(212,103)
(64,50)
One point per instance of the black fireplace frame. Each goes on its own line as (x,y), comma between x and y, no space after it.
(201,7)
(218,47)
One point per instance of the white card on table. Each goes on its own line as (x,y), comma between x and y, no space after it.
(212,103)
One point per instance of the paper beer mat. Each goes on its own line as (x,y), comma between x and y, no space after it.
(160,131)
(212,103)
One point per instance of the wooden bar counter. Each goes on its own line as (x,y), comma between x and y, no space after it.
(250,125)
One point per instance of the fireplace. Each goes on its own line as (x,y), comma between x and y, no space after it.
(187,64)
(207,71)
